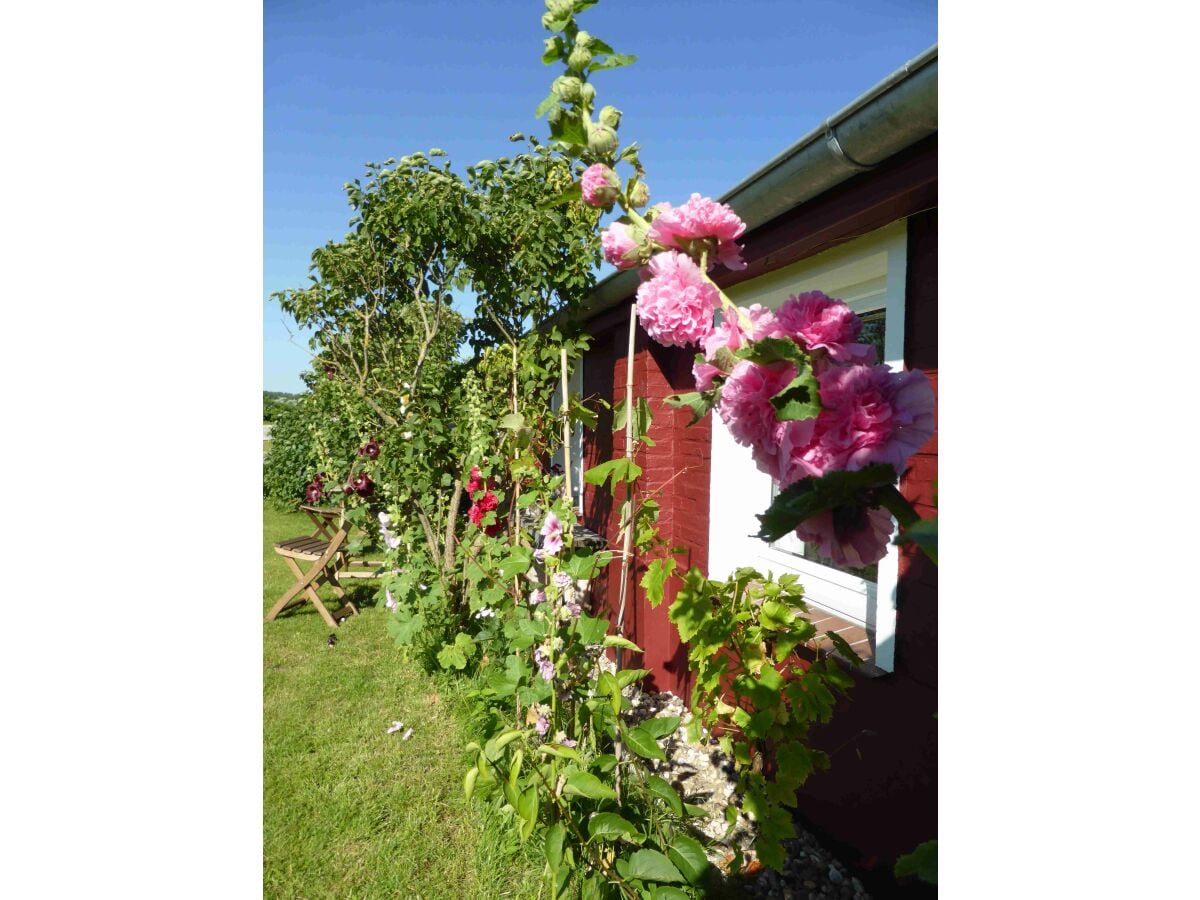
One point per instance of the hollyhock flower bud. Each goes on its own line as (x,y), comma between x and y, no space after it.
(578,58)
(602,140)
(568,87)
(701,224)
(853,536)
(823,323)
(583,39)
(620,246)
(676,305)
(560,7)
(610,116)
(600,186)
(639,195)
(555,116)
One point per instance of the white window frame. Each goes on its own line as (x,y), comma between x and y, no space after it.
(869,274)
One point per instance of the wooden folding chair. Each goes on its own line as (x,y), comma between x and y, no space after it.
(325,549)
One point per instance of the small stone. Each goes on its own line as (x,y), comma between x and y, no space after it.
(834,875)
(809,884)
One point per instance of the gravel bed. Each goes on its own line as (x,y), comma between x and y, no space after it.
(705,776)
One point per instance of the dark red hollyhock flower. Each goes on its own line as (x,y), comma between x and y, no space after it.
(313,492)
(493,530)
(370,450)
(330,371)
(362,485)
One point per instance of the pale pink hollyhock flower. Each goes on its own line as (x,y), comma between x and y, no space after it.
(823,323)
(600,185)
(390,603)
(551,535)
(676,305)
(701,219)
(730,334)
(745,406)
(537,596)
(853,536)
(617,240)
(542,726)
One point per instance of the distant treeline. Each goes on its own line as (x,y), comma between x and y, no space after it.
(275,401)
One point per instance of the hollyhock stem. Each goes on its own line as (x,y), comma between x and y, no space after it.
(726,304)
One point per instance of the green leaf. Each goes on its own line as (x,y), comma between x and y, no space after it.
(923,534)
(527,809)
(469,782)
(660,726)
(560,750)
(662,789)
(606,826)
(922,862)
(588,785)
(516,563)
(642,743)
(699,403)
(693,605)
(571,130)
(512,422)
(584,565)
(655,580)
(590,630)
(776,616)
(843,648)
(451,657)
(555,835)
(614,640)
(651,865)
(688,854)
(810,496)
(569,195)
(614,61)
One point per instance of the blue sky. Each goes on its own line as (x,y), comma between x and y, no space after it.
(719,88)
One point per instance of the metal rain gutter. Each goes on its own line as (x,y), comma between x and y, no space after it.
(894,114)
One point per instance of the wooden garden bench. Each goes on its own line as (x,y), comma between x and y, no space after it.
(325,548)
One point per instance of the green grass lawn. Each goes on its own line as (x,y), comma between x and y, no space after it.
(350,811)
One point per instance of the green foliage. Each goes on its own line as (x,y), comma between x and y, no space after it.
(922,862)
(291,460)
(750,689)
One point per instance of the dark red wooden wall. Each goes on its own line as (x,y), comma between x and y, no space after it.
(879,798)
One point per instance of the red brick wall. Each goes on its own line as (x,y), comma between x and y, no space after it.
(675,472)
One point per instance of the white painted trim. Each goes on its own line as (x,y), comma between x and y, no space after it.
(868,273)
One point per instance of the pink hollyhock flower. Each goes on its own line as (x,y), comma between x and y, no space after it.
(870,415)
(537,596)
(731,335)
(823,323)
(601,186)
(853,536)
(745,406)
(562,579)
(701,223)
(542,726)
(617,241)
(676,305)
(475,482)
(882,416)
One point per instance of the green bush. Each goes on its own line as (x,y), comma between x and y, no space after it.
(291,460)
